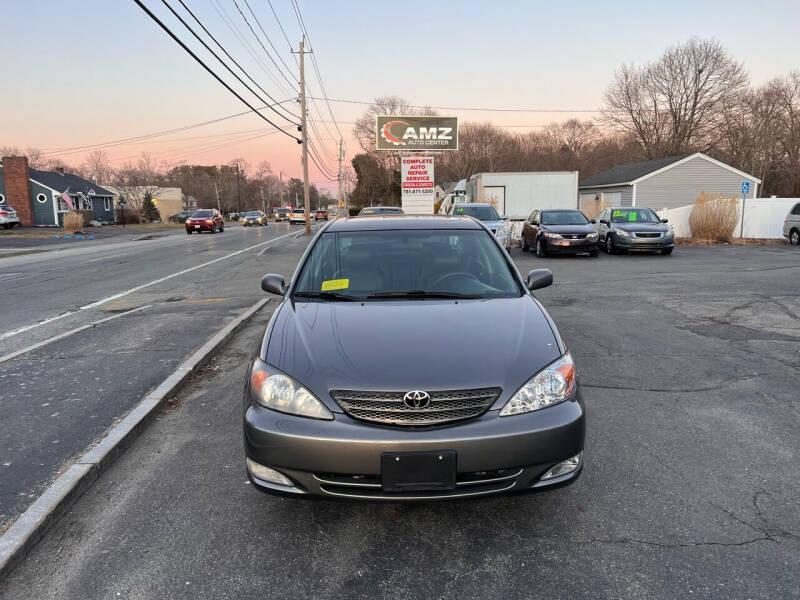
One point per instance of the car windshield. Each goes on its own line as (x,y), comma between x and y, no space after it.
(6,207)
(406,264)
(281,211)
(253,214)
(380,211)
(633,215)
(201,214)
(563,217)
(481,212)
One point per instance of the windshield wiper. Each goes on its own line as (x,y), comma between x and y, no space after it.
(423,294)
(327,296)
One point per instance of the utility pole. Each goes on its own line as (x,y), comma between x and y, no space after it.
(280,191)
(263,202)
(238,195)
(305,139)
(216,191)
(341,196)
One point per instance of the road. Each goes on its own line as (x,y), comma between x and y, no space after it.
(168,295)
(689,366)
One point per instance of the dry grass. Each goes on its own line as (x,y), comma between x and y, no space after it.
(593,208)
(73,222)
(684,241)
(714,218)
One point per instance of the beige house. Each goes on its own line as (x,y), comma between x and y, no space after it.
(168,200)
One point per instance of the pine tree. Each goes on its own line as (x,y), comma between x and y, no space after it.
(149,209)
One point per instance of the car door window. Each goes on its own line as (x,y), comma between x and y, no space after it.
(796,209)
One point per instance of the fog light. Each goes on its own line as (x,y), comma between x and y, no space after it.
(567,466)
(266,474)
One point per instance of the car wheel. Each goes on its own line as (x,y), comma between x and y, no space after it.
(609,245)
(214,228)
(221,228)
(540,251)
(666,251)
(188,232)
(794,237)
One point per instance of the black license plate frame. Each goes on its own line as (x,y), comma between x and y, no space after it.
(418,471)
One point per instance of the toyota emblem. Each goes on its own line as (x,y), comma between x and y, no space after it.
(417,399)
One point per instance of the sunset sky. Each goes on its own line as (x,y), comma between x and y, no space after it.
(83,72)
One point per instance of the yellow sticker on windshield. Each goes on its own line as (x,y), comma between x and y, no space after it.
(335,284)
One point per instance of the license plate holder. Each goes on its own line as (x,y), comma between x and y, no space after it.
(418,471)
(197,226)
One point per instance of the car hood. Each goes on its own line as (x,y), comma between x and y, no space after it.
(494,224)
(410,344)
(588,228)
(653,227)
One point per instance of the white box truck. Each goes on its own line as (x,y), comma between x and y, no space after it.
(516,195)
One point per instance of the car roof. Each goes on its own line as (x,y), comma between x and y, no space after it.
(390,222)
(544,210)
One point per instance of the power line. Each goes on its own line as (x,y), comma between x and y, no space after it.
(222,62)
(207,68)
(260,43)
(533,110)
(233,59)
(277,53)
(286,37)
(147,136)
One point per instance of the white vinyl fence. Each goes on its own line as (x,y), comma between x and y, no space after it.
(763,217)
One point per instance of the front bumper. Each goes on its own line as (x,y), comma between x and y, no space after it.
(633,243)
(567,246)
(342,458)
(202,227)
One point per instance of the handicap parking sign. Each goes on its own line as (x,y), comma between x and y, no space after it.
(745,188)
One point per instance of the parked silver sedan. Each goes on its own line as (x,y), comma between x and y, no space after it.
(8,217)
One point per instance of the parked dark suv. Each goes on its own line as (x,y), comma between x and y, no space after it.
(430,373)
(564,231)
(625,228)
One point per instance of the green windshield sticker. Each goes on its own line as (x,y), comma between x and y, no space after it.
(460,210)
(631,216)
(619,213)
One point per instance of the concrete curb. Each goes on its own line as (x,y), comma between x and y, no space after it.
(64,491)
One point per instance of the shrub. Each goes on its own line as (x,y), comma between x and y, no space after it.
(73,222)
(714,218)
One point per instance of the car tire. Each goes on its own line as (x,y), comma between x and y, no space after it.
(214,228)
(794,237)
(594,253)
(610,245)
(540,251)
(666,251)
(221,228)
(188,232)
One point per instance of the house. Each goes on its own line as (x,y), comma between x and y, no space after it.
(37,195)
(664,183)
(168,200)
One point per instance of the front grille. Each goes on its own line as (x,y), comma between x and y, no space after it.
(646,235)
(573,236)
(389,407)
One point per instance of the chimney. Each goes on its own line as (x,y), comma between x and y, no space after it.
(18,187)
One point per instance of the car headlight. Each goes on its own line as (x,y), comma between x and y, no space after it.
(555,236)
(553,384)
(275,390)
(592,235)
(669,233)
(622,233)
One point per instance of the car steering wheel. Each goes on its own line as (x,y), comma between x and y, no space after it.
(456,274)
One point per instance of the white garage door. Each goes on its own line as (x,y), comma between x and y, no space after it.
(612,198)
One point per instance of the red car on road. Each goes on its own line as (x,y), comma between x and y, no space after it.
(207,219)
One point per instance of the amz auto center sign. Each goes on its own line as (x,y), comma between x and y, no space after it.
(417,184)
(417,133)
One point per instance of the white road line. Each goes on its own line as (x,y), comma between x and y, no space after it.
(61,336)
(264,250)
(97,303)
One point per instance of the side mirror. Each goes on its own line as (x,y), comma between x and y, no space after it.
(504,217)
(539,278)
(593,221)
(665,220)
(274,284)
(604,222)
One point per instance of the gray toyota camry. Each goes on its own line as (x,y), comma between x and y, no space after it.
(409,360)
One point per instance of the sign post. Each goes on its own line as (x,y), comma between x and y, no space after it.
(745,191)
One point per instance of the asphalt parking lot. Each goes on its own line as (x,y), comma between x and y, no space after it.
(690,367)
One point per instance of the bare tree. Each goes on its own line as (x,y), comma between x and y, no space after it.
(675,105)
(97,167)
(137,180)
